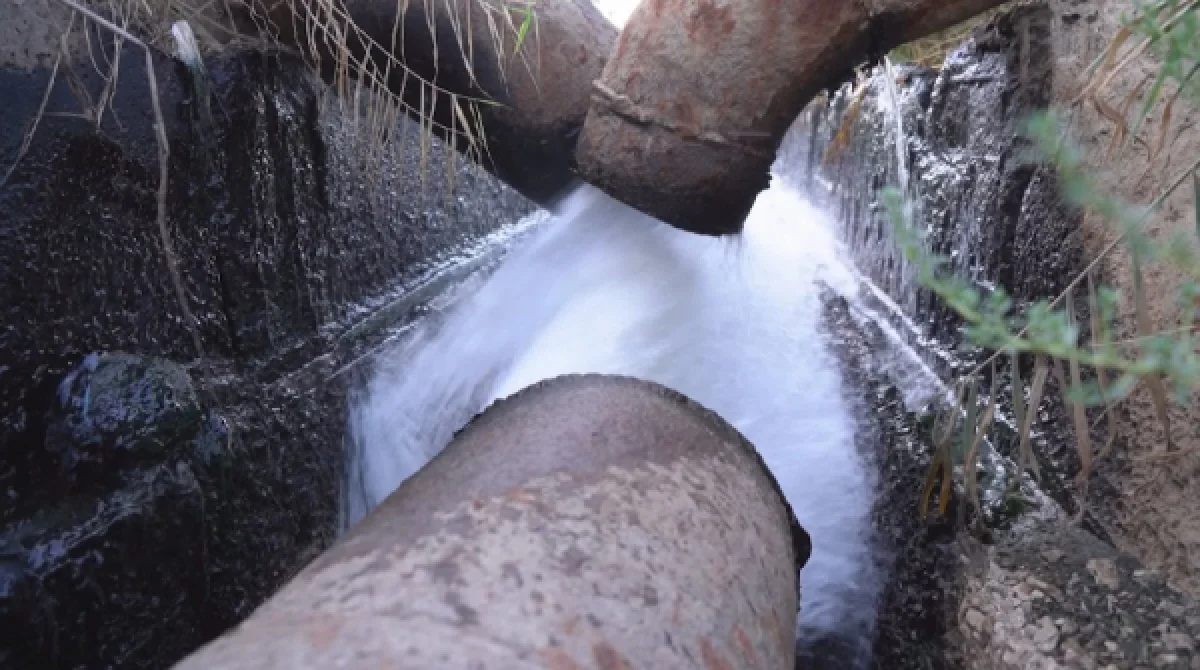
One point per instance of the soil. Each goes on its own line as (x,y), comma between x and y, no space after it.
(1153,513)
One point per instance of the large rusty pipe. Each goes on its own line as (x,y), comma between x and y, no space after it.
(538,91)
(587,521)
(697,96)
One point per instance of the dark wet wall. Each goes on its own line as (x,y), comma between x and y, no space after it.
(970,179)
(120,547)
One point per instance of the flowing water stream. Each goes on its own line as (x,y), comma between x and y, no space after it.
(732,323)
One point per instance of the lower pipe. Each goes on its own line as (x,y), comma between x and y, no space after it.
(588,521)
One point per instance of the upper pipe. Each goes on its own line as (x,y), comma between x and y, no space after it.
(696,98)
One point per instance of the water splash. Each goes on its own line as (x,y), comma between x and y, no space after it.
(731,323)
(891,107)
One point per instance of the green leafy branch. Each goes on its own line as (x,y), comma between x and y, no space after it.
(1045,327)
(1092,368)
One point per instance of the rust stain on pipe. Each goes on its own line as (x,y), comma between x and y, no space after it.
(586,522)
(690,110)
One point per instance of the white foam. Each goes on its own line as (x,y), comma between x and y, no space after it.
(731,323)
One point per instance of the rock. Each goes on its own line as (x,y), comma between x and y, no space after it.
(996,216)
(975,619)
(1074,655)
(1147,576)
(115,410)
(1172,609)
(967,182)
(1046,636)
(1178,642)
(106,558)
(1042,593)
(1104,570)
(1087,623)
(215,438)
(924,564)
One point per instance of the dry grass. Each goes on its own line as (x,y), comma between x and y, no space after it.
(843,135)
(931,51)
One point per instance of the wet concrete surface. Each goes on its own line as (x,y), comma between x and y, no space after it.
(284,244)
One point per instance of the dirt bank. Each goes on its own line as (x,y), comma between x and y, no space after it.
(1155,516)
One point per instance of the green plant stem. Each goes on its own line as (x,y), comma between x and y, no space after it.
(1096,261)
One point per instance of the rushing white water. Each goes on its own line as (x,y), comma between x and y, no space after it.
(731,323)
(891,107)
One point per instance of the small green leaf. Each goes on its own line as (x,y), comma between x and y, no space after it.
(526,21)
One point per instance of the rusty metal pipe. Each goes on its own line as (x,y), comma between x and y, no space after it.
(588,521)
(541,90)
(697,96)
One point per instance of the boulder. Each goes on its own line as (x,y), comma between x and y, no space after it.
(1048,595)
(105,555)
(116,409)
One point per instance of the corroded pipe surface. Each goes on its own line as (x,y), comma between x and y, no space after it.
(587,521)
(698,94)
